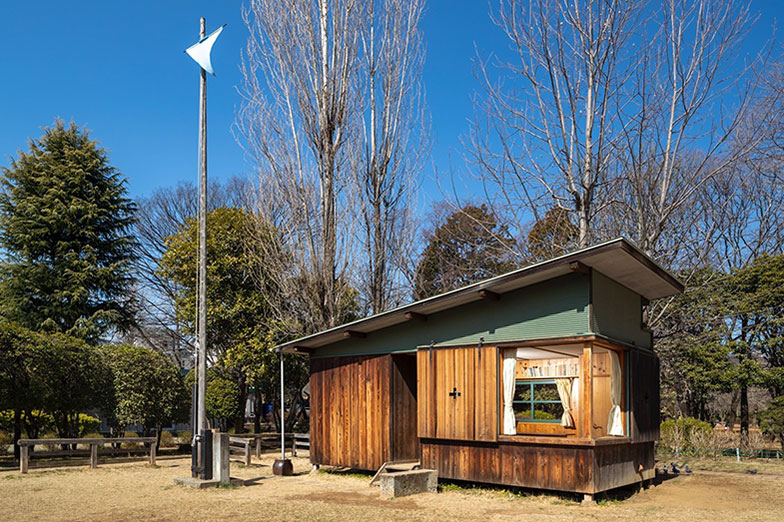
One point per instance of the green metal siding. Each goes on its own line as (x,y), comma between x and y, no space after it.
(617,312)
(555,308)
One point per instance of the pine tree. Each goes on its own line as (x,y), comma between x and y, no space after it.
(64,231)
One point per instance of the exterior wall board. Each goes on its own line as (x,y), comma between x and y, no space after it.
(555,308)
(617,312)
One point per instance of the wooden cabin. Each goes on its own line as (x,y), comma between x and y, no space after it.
(543,377)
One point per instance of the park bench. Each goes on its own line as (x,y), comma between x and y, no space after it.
(94,451)
(239,449)
(300,441)
(261,441)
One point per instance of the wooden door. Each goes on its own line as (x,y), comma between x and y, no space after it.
(458,393)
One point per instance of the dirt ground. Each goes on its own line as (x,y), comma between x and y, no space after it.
(137,491)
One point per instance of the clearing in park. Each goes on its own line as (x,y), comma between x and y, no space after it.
(140,492)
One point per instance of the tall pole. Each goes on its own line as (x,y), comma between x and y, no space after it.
(282,418)
(202,323)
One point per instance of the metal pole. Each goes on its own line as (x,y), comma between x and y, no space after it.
(202,326)
(282,418)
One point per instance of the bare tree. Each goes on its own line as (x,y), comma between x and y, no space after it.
(298,125)
(693,91)
(159,216)
(395,141)
(544,134)
(333,120)
(619,112)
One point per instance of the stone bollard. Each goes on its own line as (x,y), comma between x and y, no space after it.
(220,458)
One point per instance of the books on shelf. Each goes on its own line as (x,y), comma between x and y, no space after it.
(554,369)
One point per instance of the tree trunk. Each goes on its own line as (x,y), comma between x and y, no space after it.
(744,415)
(239,419)
(17,432)
(257,410)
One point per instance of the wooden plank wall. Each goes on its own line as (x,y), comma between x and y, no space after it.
(561,468)
(426,376)
(578,469)
(471,372)
(403,409)
(644,374)
(350,411)
(619,464)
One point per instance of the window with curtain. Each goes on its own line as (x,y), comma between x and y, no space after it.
(537,401)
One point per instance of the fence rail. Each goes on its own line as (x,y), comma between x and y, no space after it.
(268,440)
(94,451)
(737,452)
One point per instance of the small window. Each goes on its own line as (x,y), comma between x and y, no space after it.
(537,401)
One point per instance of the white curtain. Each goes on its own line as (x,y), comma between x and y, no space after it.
(564,386)
(510,364)
(615,420)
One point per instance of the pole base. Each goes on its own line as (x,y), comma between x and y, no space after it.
(283,467)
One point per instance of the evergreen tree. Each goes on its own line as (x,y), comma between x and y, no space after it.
(470,245)
(64,222)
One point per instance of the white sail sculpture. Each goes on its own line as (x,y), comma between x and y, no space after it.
(200,51)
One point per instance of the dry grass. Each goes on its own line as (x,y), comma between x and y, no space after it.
(137,491)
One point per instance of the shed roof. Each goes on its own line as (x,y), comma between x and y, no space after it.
(617,259)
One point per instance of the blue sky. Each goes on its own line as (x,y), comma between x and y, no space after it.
(119,69)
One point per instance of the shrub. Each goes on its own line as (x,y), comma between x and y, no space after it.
(5,441)
(167,440)
(684,431)
(7,421)
(94,435)
(185,437)
(130,435)
(51,435)
(87,424)
(772,419)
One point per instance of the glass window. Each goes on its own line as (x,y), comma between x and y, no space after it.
(537,401)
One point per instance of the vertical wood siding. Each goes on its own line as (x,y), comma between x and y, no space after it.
(471,372)
(350,410)
(579,469)
(403,409)
(644,374)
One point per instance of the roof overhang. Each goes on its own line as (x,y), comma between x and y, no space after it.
(617,259)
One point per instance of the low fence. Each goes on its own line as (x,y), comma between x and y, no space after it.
(94,451)
(707,452)
(270,441)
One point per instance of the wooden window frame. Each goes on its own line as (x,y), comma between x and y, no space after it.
(533,401)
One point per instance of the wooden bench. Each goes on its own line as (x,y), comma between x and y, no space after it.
(260,441)
(26,444)
(300,441)
(239,450)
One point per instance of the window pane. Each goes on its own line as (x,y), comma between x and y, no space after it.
(522,391)
(546,392)
(548,411)
(522,411)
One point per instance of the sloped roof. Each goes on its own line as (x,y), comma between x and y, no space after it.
(618,259)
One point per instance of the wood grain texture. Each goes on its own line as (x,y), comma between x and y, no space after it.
(578,469)
(644,374)
(350,411)
(404,443)
(457,393)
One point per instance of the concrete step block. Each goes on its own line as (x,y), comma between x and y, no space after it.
(403,483)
